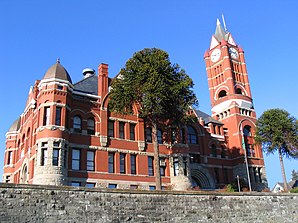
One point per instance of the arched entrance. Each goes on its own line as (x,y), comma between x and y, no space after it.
(200,177)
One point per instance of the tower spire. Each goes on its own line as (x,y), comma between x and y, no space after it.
(224,22)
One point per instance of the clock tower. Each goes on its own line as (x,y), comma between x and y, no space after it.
(232,104)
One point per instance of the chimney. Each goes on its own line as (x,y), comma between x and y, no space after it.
(102,80)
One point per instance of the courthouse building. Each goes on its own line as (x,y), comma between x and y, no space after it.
(67,136)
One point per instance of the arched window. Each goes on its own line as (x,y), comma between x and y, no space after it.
(238,91)
(192,135)
(247,130)
(77,124)
(91,126)
(222,93)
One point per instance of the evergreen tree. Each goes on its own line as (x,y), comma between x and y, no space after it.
(277,131)
(294,175)
(159,89)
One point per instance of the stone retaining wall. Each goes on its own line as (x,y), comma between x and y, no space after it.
(31,203)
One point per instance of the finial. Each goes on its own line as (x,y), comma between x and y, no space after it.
(224,22)
(58,60)
(217,22)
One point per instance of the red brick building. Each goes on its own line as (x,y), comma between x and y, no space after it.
(67,136)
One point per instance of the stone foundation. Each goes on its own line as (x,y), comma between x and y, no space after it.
(31,203)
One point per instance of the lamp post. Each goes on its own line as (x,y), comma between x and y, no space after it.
(238,183)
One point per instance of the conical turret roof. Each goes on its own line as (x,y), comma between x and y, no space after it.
(57,71)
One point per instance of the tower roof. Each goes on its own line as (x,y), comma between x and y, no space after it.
(57,71)
(15,125)
(220,33)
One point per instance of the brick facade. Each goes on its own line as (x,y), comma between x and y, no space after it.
(67,136)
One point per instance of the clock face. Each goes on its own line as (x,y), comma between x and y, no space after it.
(233,52)
(215,55)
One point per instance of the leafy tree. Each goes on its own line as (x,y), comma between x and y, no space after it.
(159,89)
(294,175)
(277,131)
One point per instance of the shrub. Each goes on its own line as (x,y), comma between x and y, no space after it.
(294,190)
(230,188)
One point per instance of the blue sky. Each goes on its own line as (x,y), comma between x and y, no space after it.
(84,34)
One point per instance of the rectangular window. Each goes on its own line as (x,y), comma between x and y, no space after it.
(75,184)
(112,186)
(133,164)
(44,156)
(133,187)
(132,131)
(121,130)
(58,116)
(90,185)
(55,157)
(111,162)
(152,188)
(111,128)
(122,163)
(9,158)
(148,134)
(176,166)
(76,159)
(7,178)
(185,166)
(90,160)
(46,116)
(162,166)
(150,166)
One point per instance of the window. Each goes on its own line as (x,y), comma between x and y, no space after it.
(7,178)
(75,184)
(150,166)
(90,185)
(159,136)
(223,152)
(91,126)
(77,124)
(132,131)
(185,166)
(55,157)
(173,135)
(148,132)
(90,160)
(58,116)
(152,188)
(133,187)
(182,135)
(195,158)
(238,91)
(213,150)
(76,159)
(112,186)
(121,130)
(176,166)
(122,163)
(192,135)
(111,157)
(44,156)
(46,116)
(247,130)
(222,93)
(162,166)
(9,158)
(133,164)
(111,128)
